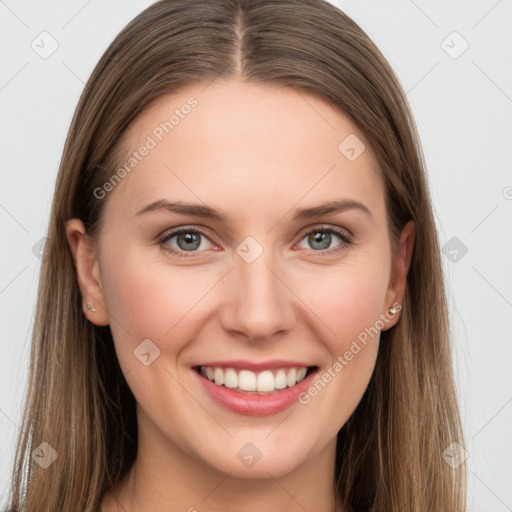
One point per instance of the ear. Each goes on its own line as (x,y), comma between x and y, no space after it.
(400,267)
(87,272)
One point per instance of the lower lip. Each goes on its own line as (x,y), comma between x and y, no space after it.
(256,405)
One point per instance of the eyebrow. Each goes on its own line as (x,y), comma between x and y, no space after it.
(206,212)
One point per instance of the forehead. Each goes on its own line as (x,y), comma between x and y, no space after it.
(246,147)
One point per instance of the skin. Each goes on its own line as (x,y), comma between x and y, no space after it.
(278,153)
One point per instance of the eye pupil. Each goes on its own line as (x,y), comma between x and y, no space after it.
(191,239)
(320,237)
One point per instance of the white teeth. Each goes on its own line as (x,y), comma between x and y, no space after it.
(291,378)
(246,380)
(265,381)
(280,379)
(301,373)
(230,378)
(218,375)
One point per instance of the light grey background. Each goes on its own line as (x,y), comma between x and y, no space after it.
(462,104)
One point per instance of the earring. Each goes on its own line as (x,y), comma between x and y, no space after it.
(392,311)
(90,307)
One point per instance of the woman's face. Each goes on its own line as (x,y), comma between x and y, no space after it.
(264,285)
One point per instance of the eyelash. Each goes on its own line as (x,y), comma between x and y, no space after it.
(346,240)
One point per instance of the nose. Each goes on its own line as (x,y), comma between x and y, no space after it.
(259,304)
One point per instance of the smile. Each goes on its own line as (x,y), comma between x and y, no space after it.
(242,380)
(260,391)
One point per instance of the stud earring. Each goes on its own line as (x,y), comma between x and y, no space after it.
(90,307)
(392,311)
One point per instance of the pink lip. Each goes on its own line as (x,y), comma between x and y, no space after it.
(243,364)
(255,405)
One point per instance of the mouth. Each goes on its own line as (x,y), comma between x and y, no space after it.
(255,389)
(267,381)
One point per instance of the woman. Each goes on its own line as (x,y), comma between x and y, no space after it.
(241,301)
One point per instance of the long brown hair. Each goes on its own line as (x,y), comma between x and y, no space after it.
(389,453)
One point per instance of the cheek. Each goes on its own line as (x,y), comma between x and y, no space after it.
(352,307)
(138,299)
(349,301)
(348,298)
(148,299)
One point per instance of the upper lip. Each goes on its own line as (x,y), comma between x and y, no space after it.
(242,364)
